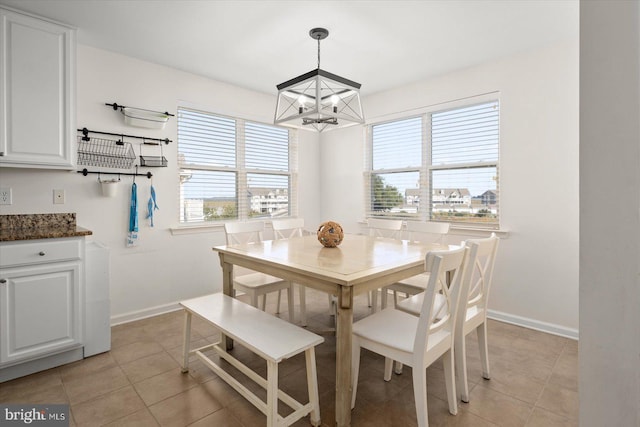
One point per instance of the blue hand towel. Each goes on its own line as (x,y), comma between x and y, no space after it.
(133,211)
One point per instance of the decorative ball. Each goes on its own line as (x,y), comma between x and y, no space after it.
(330,234)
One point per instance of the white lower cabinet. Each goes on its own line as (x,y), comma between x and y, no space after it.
(41,299)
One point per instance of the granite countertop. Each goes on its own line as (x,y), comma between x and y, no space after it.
(40,226)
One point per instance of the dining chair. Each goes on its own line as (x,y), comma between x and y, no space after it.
(473,308)
(418,341)
(422,232)
(287,228)
(253,283)
(387,228)
(473,314)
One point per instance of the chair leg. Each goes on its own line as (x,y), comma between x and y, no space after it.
(278,304)
(264,302)
(450,381)
(290,301)
(374,301)
(484,349)
(383,298)
(312,386)
(388,364)
(303,305)
(369,299)
(355,370)
(461,368)
(397,368)
(419,374)
(186,344)
(254,300)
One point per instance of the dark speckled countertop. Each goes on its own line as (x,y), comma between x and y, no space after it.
(40,226)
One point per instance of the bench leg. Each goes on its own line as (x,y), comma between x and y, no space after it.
(272,393)
(312,385)
(186,345)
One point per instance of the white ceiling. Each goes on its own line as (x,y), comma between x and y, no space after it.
(258,44)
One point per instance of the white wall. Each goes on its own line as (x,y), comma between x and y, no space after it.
(163,268)
(609,238)
(536,278)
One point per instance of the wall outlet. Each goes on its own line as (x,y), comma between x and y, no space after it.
(5,196)
(58,197)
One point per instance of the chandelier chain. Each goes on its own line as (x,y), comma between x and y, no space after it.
(318,52)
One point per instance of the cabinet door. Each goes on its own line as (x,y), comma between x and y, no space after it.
(40,310)
(37,108)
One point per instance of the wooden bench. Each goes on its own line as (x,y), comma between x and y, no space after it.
(269,337)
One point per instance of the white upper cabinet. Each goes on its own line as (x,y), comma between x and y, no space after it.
(37,92)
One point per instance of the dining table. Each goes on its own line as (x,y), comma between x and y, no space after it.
(358,265)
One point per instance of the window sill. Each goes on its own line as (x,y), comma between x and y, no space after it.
(196,229)
(477,231)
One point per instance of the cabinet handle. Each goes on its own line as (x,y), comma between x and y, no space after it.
(3,280)
(41,253)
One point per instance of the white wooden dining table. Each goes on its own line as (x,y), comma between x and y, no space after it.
(360,264)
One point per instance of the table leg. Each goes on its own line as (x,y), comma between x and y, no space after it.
(344,325)
(227,289)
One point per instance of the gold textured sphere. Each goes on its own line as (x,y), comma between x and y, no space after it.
(330,234)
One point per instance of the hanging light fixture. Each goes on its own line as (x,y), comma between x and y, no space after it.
(318,100)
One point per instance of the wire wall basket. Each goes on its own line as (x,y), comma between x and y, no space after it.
(105,153)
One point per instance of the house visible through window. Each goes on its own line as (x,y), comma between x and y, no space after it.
(233,169)
(441,166)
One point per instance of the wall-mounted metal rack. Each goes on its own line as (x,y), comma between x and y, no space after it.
(145,139)
(141,117)
(85,172)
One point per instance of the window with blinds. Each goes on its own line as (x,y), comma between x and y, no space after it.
(440,166)
(233,169)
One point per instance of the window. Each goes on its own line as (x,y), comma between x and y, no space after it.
(233,169)
(439,166)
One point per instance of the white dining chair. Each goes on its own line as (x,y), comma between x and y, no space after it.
(255,284)
(287,228)
(422,232)
(472,315)
(418,341)
(386,228)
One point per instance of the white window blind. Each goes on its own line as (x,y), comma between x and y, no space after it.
(233,169)
(439,166)
(396,158)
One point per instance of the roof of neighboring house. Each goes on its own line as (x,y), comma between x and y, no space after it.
(258,191)
(446,191)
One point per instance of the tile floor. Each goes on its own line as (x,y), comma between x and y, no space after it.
(138,383)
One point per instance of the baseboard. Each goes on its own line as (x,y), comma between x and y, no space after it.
(525,322)
(143,314)
(537,325)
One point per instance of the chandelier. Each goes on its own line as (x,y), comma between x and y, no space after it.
(318,100)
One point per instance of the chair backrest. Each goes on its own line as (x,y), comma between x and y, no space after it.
(287,228)
(385,227)
(427,232)
(243,232)
(481,272)
(440,313)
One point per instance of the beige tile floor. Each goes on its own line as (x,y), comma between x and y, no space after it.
(138,383)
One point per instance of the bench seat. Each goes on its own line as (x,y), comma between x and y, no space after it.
(270,337)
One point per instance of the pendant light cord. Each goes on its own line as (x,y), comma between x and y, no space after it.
(318,52)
